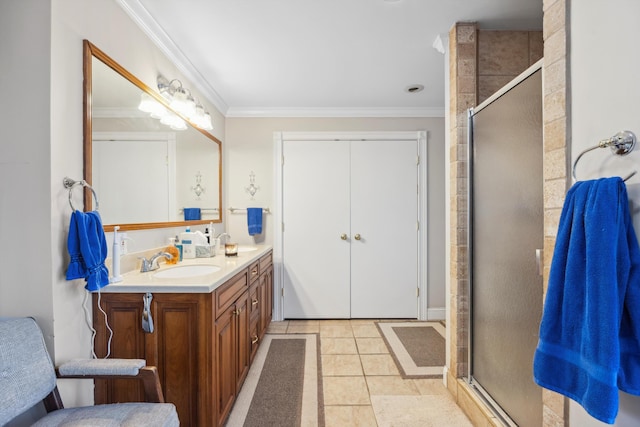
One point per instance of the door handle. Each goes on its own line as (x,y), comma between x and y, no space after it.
(539,261)
(357,237)
(343,236)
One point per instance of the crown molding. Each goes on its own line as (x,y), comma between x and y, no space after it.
(159,37)
(335,112)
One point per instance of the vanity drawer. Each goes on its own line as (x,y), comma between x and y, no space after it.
(227,294)
(254,271)
(265,262)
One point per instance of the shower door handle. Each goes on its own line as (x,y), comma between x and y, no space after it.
(539,261)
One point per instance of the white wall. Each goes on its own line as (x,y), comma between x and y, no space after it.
(605,91)
(41,134)
(25,196)
(249,147)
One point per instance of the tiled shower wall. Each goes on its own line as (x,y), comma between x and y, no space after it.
(481,62)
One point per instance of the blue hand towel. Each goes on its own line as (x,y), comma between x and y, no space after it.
(589,344)
(191,214)
(87,247)
(254,221)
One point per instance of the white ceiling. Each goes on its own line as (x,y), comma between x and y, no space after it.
(319,57)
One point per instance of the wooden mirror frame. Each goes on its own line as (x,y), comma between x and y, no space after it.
(89,52)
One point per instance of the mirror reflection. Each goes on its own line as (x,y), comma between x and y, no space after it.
(146,173)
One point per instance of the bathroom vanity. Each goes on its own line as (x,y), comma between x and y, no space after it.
(206,330)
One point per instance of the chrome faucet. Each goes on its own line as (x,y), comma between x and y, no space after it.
(223,234)
(152,263)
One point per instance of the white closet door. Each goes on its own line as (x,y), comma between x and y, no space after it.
(315,197)
(384,212)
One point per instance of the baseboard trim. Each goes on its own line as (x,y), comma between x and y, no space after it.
(438,313)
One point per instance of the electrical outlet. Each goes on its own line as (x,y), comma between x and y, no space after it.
(124,246)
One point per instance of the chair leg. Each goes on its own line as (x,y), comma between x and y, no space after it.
(53,401)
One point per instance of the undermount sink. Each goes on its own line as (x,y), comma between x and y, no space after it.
(186,271)
(246,249)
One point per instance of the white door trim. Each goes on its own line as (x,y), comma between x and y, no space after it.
(420,136)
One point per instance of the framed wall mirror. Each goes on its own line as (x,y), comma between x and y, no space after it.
(146,174)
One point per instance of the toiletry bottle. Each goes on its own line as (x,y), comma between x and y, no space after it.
(171,249)
(178,245)
(187,239)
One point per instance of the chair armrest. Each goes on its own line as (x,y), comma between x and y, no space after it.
(105,369)
(90,367)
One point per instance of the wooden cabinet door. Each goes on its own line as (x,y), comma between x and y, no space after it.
(266,299)
(244,349)
(124,312)
(225,362)
(180,339)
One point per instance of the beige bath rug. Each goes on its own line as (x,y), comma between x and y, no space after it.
(417,348)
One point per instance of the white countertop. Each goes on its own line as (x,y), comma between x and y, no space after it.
(136,282)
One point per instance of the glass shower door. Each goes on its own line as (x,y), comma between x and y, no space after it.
(506,236)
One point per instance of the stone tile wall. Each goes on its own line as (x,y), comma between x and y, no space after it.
(481,62)
(556,137)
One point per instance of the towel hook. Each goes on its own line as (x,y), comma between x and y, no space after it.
(622,143)
(70,183)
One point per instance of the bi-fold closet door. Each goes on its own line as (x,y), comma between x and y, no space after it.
(350,239)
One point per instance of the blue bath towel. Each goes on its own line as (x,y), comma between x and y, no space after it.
(87,248)
(589,344)
(254,221)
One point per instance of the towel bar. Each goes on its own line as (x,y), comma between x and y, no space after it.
(234,210)
(621,144)
(70,183)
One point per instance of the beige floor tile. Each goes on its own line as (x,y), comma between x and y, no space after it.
(391,386)
(378,364)
(363,321)
(341,364)
(303,329)
(338,346)
(336,331)
(432,387)
(335,322)
(277,327)
(303,322)
(352,416)
(345,391)
(418,411)
(368,330)
(371,346)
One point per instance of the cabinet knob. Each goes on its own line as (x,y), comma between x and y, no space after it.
(254,302)
(254,340)
(357,237)
(343,236)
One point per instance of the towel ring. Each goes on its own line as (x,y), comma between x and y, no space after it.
(70,183)
(621,144)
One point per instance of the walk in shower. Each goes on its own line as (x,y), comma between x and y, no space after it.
(506,240)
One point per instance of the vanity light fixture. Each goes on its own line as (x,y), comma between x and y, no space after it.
(158,111)
(181,100)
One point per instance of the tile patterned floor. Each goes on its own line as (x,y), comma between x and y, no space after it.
(362,385)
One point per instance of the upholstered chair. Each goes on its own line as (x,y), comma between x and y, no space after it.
(27,376)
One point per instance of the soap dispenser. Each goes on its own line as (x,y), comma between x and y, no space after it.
(187,238)
(173,250)
(115,257)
